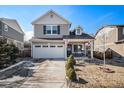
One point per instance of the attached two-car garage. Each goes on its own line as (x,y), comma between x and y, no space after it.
(48,50)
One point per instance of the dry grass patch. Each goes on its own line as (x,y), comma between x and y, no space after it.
(96,78)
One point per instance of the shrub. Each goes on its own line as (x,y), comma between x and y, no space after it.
(8,53)
(69,63)
(99,55)
(71,74)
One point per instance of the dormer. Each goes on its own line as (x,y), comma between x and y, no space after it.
(78,30)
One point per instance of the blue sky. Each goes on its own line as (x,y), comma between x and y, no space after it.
(91,18)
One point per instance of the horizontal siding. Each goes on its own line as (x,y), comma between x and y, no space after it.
(38,31)
(12,33)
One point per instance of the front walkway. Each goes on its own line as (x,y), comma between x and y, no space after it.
(48,74)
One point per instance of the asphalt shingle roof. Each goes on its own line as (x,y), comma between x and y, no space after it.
(12,23)
(83,36)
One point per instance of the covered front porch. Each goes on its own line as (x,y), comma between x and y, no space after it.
(78,47)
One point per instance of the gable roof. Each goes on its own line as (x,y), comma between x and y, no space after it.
(13,24)
(114,25)
(51,11)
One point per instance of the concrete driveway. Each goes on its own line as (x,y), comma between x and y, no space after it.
(47,74)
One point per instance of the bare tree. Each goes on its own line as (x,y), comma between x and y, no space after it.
(103,40)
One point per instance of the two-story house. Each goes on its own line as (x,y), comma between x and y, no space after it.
(10,29)
(52,38)
(110,37)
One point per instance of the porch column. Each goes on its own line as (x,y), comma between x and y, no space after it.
(65,50)
(91,43)
(85,50)
(31,49)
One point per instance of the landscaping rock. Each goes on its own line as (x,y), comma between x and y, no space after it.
(12,69)
(29,64)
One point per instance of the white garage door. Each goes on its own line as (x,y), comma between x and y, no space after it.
(48,51)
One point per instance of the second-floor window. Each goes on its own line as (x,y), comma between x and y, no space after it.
(52,29)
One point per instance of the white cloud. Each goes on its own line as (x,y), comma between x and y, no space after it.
(28,35)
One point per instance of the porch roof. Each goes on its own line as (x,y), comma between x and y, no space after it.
(83,36)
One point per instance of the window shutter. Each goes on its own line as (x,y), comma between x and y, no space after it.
(58,29)
(44,29)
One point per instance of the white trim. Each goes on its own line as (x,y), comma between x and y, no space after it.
(78,40)
(65,49)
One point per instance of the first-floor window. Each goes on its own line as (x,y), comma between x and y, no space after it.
(77,48)
(51,29)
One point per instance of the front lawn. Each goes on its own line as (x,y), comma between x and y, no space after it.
(92,77)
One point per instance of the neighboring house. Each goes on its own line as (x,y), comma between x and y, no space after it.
(114,39)
(10,29)
(52,38)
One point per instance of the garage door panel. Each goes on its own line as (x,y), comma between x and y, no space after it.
(49,52)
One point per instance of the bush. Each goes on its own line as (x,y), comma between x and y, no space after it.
(8,53)
(69,63)
(71,74)
(99,55)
